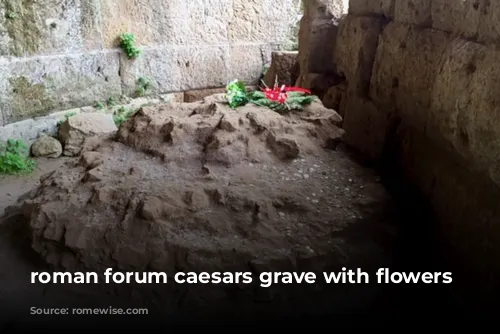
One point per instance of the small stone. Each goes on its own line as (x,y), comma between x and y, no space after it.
(315,201)
(46,146)
(76,129)
(91,160)
(282,214)
(306,176)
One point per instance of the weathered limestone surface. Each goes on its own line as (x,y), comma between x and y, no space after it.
(61,54)
(35,86)
(283,68)
(200,94)
(420,95)
(370,7)
(356,46)
(317,39)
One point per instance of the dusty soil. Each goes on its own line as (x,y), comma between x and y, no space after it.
(12,187)
(200,187)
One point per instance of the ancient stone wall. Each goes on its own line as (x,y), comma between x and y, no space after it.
(60,54)
(421,96)
(317,35)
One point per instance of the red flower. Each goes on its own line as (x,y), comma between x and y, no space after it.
(280,95)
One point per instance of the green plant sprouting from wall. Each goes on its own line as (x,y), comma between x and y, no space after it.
(66,117)
(10,15)
(14,158)
(99,105)
(123,114)
(111,101)
(127,43)
(143,84)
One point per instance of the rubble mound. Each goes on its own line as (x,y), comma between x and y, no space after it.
(201,187)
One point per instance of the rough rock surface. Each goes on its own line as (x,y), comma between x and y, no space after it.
(76,129)
(200,94)
(317,38)
(46,146)
(201,187)
(421,101)
(284,67)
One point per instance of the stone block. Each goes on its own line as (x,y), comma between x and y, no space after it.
(156,22)
(46,27)
(317,36)
(366,126)
(141,18)
(246,63)
(283,67)
(179,68)
(36,86)
(262,20)
(489,23)
(465,114)
(336,98)
(466,205)
(356,47)
(457,16)
(193,22)
(417,12)
(367,7)
(405,68)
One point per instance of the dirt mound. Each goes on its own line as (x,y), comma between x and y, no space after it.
(199,186)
